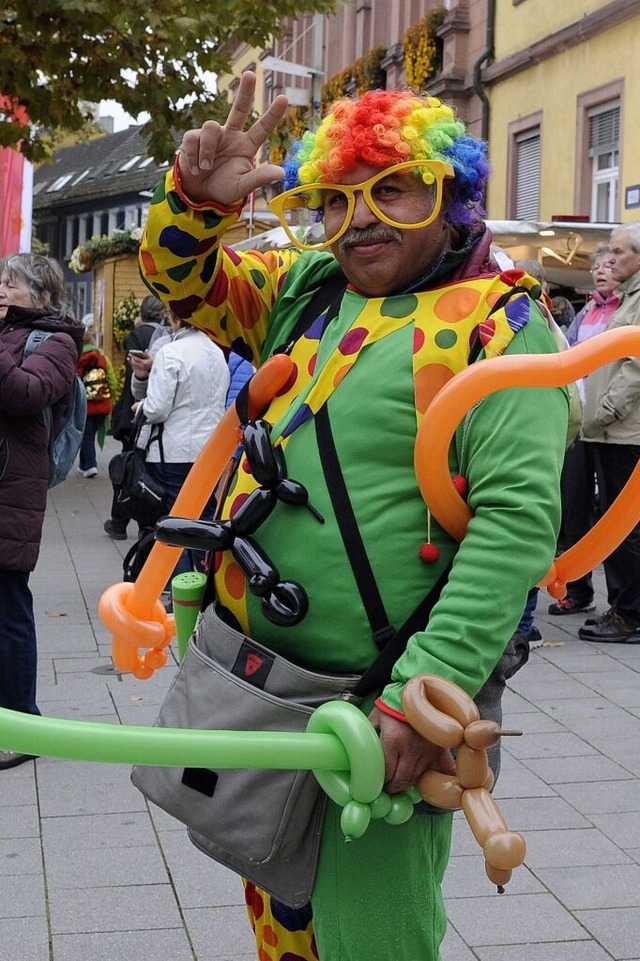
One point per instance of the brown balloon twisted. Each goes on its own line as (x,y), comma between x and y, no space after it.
(445,715)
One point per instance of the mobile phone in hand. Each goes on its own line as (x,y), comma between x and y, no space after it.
(138,353)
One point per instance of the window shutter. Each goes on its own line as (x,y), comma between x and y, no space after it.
(528,175)
(604,130)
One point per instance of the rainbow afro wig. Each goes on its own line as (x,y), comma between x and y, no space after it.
(385,127)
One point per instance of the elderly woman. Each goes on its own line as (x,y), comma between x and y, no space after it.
(31,289)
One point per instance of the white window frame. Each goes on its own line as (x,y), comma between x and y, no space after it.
(607,178)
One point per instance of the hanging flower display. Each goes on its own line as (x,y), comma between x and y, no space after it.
(125,313)
(423,49)
(86,255)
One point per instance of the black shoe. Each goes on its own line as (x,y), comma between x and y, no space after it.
(600,619)
(615,630)
(535,639)
(12,759)
(115,532)
(571,605)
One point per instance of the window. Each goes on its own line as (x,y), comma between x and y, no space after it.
(527,146)
(524,169)
(604,151)
(59,183)
(81,300)
(85,173)
(128,164)
(71,235)
(600,117)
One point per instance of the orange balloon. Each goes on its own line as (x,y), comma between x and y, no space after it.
(527,370)
(133,613)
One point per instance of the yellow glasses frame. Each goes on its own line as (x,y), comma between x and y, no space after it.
(439,168)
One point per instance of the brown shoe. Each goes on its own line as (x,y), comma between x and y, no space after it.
(571,605)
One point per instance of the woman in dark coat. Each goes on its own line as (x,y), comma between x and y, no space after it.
(31,289)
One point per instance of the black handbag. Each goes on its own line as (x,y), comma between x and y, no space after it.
(143,497)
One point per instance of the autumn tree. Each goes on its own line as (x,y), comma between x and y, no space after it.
(60,57)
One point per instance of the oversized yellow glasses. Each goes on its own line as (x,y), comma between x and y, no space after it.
(315,215)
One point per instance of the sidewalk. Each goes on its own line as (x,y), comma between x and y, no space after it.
(89,873)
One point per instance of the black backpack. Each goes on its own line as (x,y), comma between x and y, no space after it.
(137,554)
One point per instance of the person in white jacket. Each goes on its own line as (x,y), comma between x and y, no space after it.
(185,399)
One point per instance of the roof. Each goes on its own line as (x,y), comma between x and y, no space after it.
(107,166)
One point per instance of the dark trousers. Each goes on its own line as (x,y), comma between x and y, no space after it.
(172,477)
(614,465)
(88,445)
(578,489)
(18,650)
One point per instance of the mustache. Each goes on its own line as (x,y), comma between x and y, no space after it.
(377,233)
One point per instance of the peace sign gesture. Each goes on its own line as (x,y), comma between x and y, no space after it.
(216,162)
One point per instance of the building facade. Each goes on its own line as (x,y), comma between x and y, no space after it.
(563,134)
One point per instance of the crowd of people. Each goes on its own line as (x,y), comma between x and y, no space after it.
(392,183)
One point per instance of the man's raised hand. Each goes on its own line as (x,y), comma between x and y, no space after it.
(216,162)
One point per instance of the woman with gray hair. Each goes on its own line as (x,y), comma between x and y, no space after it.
(31,298)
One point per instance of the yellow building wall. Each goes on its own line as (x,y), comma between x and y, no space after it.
(245,58)
(535,20)
(553,87)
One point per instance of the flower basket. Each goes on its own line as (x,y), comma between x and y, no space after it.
(87,255)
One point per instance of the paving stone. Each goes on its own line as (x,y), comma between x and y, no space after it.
(87,868)
(466,878)
(574,848)
(581,770)
(563,744)
(165,944)
(556,951)
(25,939)
(22,897)
(512,919)
(602,886)
(623,829)
(603,797)
(23,822)
(199,881)
(217,932)
(516,780)
(144,907)
(90,832)
(530,814)
(20,856)
(616,929)
(76,787)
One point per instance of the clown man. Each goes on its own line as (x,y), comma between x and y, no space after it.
(388,290)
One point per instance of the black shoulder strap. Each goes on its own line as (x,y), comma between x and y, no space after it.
(328,295)
(381,630)
(391,642)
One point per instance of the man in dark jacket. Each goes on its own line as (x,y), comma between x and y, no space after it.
(31,288)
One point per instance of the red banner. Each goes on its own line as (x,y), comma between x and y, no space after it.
(16,190)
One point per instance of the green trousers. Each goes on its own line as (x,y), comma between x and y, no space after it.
(380,896)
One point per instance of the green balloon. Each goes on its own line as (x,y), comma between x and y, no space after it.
(169,747)
(354,820)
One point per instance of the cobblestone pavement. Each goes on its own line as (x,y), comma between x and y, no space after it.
(88,872)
